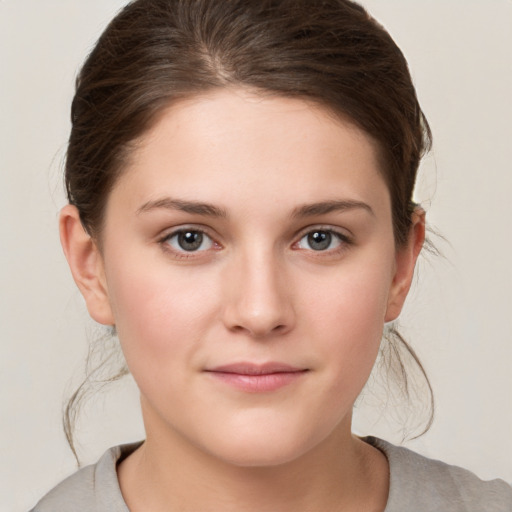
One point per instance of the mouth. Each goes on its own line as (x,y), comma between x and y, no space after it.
(257,378)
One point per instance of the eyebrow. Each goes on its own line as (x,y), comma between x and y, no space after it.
(193,207)
(324,207)
(210,210)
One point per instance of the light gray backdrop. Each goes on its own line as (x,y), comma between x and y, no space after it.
(460,315)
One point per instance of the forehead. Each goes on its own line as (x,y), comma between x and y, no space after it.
(240,147)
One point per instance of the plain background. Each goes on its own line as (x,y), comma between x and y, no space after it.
(459,318)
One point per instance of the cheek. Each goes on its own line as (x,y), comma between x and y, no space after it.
(161,316)
(348,313)
(356,301)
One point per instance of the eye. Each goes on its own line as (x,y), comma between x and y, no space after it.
(322,240)
(189,240)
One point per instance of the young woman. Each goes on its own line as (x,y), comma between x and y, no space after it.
(240,178)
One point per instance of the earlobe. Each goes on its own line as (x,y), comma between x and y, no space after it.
(86,265)
(406,258)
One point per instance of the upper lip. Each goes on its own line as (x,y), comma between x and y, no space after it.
(245,368)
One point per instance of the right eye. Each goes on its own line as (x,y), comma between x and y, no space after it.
(189,240)
(323,240)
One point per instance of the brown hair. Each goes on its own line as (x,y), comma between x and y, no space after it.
(157,51)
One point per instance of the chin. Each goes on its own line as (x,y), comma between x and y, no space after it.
(271,455)
(264,446)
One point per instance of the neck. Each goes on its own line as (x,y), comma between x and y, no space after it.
(342,473)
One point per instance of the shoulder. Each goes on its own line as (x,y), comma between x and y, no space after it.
(423,484)
(92,488)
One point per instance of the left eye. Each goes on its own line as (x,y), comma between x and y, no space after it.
(320,240)
(190,240)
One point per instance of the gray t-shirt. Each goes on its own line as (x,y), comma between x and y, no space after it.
(417,484)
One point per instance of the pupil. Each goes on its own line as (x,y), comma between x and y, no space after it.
(190,240)
(319,240)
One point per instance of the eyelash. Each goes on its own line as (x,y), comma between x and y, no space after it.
(183,253)
(344,241)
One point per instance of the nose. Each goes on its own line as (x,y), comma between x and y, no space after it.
(258,297)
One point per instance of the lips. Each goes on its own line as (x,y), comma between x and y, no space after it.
(257,378)
(256,369)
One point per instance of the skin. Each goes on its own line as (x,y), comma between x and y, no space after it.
(257,290)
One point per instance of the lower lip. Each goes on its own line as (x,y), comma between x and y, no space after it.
(258,383)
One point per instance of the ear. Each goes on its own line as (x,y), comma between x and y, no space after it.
(86,265)
(405,262)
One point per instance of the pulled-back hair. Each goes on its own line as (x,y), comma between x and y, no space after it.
(156,52)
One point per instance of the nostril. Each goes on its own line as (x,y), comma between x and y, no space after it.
(258,304)
(258,331)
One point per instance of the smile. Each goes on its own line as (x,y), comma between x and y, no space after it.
(254,378)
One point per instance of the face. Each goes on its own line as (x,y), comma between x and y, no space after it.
(248,263)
